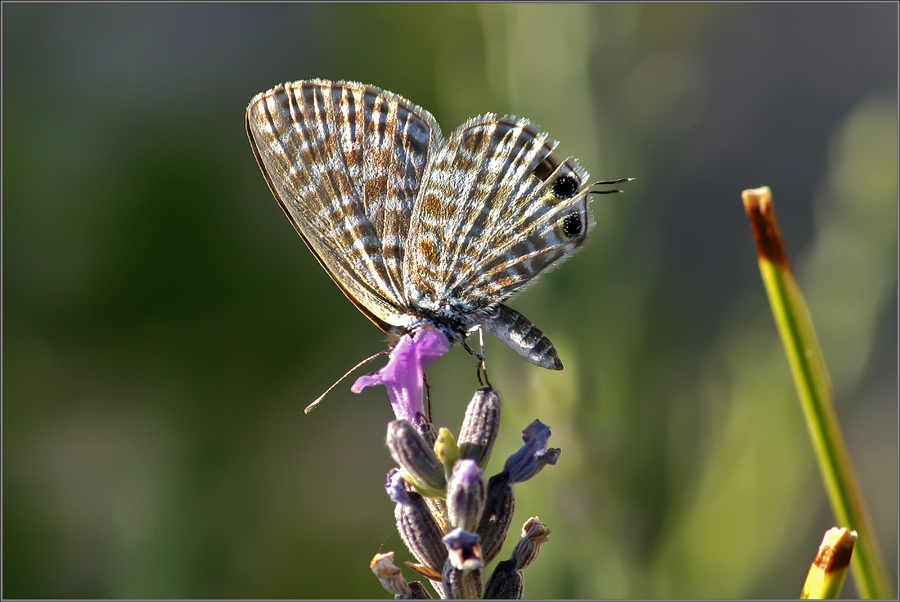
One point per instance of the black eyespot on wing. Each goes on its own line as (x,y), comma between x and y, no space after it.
(572,225)
(565,187)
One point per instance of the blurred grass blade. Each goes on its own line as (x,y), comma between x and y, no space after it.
(814,390)
(825,579)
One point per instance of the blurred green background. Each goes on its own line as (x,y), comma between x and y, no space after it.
(164,326)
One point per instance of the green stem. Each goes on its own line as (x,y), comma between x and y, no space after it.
(814,390)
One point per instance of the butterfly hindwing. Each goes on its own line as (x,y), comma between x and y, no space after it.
(495,209)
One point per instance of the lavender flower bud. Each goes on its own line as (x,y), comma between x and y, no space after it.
(532,456)
(416,525)
(497,515)
(446,450)
(466,496)
(462,585)
(418,461)
(534,535)
(480,426)
(462,574)
(425,428)
(418,592)
(387,572)
(507,582)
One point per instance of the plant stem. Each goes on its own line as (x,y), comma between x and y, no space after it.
(814,390)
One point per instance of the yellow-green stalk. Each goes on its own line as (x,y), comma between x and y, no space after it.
(814,391)
(825,579)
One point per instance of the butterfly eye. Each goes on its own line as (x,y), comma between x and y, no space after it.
(572,226)
(564,187)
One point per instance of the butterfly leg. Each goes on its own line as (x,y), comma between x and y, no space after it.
(523,337)
(427,394)
(481,369)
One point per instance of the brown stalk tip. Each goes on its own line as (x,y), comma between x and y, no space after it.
(836,550)
(763,221)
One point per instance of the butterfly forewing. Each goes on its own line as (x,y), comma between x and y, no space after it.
(345,162)
(488,219)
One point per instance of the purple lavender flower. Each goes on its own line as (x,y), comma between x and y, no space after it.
(532,456)
(396,487)
(462,574)
(403,374)
(451,520)
(465,553)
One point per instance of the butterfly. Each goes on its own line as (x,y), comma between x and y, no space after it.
(415,229)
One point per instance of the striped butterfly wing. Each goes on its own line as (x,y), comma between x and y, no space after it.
(496,208)
(345,161)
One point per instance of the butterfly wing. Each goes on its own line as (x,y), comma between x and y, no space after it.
(496,208)
(345,160)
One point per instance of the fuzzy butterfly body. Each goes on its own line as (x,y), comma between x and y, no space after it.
(417,230)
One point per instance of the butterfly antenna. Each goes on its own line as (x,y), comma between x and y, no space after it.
(619,181)
(310,407)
